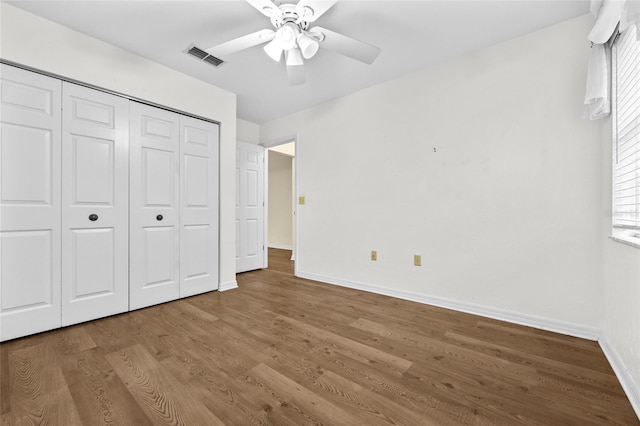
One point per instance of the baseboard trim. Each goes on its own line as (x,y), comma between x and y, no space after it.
(629,385)
(279,246)
(229,285)
(555,326)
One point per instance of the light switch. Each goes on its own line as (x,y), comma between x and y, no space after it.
(417,260)
(301,200)
(374,255)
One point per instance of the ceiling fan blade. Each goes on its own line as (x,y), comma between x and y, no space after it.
(310,10)
(347,46)
(241,43)
(295,74)
(266,7)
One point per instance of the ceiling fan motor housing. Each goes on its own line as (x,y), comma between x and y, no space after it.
(290,15)
(291,31)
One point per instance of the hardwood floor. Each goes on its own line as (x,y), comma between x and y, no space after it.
(283,350)
(280,261)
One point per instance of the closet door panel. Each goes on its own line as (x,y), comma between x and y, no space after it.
(95,227)
(158,178)
(199,206)
(159,247)
(154,218)
(26,165)
(22,248)
(30,149)
(196,185)
(197,249)
(93,169)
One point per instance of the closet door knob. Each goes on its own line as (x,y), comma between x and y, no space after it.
(159,217)
(93,217)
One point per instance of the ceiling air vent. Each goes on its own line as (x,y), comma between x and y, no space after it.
(203,56)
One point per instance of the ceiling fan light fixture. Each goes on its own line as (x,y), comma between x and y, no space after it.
(308,45)
(294,58)
(274,49)
(288,35)
(292,36)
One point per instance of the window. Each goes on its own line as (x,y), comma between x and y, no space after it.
(626,137)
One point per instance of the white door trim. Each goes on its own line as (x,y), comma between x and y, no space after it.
(105,90)
(265,208)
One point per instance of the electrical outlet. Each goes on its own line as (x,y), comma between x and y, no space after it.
(374,255)
(301,200)
(417,260)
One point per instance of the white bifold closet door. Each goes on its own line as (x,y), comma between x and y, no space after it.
(154,198)
(174,206)
(199,142)
(95,204)
(30,150)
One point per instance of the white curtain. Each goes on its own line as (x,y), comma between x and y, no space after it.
(608,13)
(597,100)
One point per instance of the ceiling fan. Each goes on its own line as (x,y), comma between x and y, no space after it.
(293,38)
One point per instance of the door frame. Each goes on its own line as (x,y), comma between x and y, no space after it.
(270,144)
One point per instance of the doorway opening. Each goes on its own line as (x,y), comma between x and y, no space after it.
(280,214)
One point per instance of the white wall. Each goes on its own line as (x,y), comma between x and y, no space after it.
(280,200)
(38,43)
(482,165)
(246,131)
(621,290)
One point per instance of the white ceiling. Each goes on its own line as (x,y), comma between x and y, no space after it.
(412,34)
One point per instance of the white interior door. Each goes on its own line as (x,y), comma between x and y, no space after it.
(199,206)
(29,202)
(154,199)
(249,207)
(95,209)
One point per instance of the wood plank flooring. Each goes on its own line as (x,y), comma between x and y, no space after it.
(286,351)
